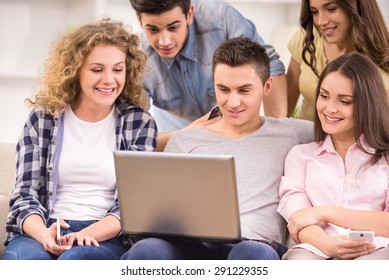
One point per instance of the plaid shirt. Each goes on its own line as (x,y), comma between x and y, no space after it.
(38,151)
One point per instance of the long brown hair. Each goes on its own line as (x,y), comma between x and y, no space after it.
(369,31)
(371,107)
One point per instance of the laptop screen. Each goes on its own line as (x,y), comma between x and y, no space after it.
(178,195)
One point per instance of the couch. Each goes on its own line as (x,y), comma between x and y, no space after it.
(7,181)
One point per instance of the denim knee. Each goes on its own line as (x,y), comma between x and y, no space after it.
(25,248)
(153,249)
(111,249)
(252,250)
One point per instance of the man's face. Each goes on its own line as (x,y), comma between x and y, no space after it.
(239,94)
(167,32)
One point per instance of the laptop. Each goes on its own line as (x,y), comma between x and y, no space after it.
(178,195)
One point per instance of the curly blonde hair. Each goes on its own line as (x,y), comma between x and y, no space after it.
(60,84)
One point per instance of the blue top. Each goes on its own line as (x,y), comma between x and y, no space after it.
(38,152)
(184,85)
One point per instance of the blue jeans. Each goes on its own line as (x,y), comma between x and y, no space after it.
(23,247)
(163,249)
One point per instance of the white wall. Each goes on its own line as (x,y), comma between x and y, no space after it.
(27,29)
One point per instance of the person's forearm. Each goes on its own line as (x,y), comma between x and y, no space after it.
(376,221)
(105,229)
(34,227)
(315,236)
(293,90)
(275,104)
(162,139)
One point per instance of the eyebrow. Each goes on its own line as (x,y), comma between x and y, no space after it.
(340,95)
(168,25)
(242,86)
(102,64)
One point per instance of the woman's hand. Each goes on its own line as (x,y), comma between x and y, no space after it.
(49,239)
(301,219)
(34,227)
(81,238)
(340,247)
(204,121)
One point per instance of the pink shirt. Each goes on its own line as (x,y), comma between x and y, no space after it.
(316,175)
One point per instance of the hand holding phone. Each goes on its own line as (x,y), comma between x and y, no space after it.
(215,112)
(362,235)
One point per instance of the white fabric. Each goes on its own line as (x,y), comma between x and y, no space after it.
(86,175)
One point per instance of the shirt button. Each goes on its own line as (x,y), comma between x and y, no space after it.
(186,73)
(50,193)
(50,168)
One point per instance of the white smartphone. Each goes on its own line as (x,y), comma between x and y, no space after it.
(58,238)
(362,235)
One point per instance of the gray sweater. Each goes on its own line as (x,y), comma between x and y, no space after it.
(259,162)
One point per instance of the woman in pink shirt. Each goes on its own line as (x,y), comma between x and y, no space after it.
(341,181)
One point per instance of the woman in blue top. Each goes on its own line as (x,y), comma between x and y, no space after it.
(90,103)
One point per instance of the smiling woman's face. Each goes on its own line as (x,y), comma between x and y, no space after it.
(335,105)
(332,22)
(102,77)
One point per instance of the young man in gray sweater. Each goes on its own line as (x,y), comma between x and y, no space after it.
(259,146)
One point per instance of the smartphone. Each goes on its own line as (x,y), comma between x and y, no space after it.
(215,112)
(58,238)
(362,235)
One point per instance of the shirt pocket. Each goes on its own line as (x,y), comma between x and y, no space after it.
(165,93)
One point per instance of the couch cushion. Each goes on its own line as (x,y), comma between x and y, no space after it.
(7,182)
(7,168)
(3,216)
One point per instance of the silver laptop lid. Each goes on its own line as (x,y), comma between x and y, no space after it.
(178,195)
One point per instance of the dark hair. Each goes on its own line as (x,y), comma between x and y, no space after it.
(369,31)
(371,107)
(241,51)
(159,7)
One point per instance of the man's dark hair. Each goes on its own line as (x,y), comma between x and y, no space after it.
(159,7)
(242,51)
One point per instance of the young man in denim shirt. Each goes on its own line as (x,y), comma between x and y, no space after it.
(180,37)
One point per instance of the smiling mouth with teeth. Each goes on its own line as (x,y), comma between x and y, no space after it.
(105,90)
(327,30)
(332,119)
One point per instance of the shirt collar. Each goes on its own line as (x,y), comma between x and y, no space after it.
(365,145)
(328,146)
(190,49)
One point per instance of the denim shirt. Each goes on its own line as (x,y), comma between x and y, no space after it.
(38,152)
(184,85)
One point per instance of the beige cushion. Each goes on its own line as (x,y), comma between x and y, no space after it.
(7,182)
